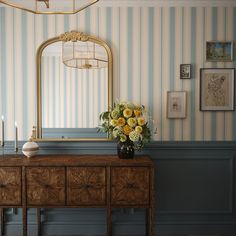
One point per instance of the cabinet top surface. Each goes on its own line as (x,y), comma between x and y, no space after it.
(73,160)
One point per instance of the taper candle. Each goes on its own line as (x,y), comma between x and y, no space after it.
(2,142)
(16,138)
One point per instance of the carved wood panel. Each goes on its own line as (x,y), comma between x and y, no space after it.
(130,185)
(10,186)
(86,186)
(45,186)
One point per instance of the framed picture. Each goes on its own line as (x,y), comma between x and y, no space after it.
(176,104)
(185,71)
(219,51)
(217,89)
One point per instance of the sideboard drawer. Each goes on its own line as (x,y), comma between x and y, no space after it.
(130,185)
(86,186)
(45,186)
(10,186)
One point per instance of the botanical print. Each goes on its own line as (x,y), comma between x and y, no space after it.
(216,87)
(175,104)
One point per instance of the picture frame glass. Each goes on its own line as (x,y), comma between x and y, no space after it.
(217,89)
(185,71)
(219,51)
(176,104)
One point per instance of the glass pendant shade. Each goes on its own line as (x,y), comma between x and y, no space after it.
(84,55)
(50,6)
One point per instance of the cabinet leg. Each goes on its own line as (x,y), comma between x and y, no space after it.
(149,222)
(109,222)
(2,221)
(24,219)
(39,221)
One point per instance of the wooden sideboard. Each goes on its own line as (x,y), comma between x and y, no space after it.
(73,181)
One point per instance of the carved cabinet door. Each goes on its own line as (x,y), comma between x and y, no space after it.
(45,186)
(86,186)
(10,186)
(130,186)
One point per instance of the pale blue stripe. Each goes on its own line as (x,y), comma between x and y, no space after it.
(47,81)
(109,26)
(24,58)
(45,27)
(151,62)
(3,61)
(193,62)
(182,53)
(214,37)
(234,114)
(225,29)
(172,66)
(203,59)
(140,59)
(130,53)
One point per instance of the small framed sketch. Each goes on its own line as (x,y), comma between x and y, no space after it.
(217,89)
(219,51)
(185,71)
(176,104)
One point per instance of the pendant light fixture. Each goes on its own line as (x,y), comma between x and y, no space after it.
(50,6)
(79,52)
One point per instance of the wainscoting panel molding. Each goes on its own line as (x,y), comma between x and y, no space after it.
(195,191)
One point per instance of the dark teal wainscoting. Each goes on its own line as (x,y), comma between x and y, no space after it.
(195,192)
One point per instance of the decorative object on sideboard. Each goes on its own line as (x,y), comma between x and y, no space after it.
(185,71)
(217,89)
(16,138)
(30,148)
(176,104)
(50,6)
(127,123)
(219,51)
(2,141)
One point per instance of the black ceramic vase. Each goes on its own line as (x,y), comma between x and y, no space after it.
(125,150)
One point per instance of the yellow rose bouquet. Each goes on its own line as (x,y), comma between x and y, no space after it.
(127,123)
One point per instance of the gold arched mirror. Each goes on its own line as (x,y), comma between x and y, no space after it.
(74,85)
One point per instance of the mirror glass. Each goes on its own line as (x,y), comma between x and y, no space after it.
(72,98)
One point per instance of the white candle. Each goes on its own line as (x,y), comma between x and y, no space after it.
(2,143)
(16,138)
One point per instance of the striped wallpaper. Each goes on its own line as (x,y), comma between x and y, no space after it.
(148,45)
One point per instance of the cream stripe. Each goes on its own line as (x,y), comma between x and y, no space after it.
(18,72)
(208,35)
(187,60)
(199,64)
(221,37)
(157,75)
(57,91)
(80,88)
(166,71)
(123,54)
(144,57)
(9,117)
(115,51)
(136,56)
(229,36)
(178,61)
(31,73)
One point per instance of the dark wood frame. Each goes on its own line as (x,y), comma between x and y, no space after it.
(201,90)
(180,71)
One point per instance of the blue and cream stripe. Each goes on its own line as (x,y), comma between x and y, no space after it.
(148,45)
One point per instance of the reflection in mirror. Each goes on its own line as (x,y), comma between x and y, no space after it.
(72,98)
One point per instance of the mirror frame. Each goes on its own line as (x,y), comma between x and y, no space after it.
(67,36)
